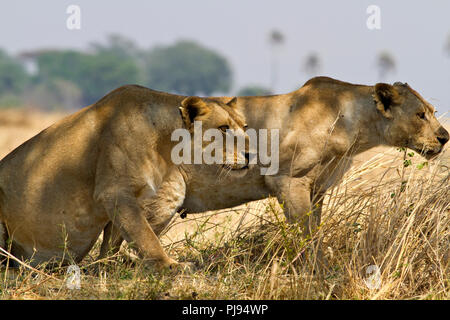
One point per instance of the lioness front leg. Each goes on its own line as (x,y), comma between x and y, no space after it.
(297,197)
(158,209)
(295,194)
(122,208)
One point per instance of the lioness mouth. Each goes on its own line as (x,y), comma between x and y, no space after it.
(430,154)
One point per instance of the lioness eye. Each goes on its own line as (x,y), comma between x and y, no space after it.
(245,126)
(421,115)
(224,128)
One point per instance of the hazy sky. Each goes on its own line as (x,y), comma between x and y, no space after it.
(414,32)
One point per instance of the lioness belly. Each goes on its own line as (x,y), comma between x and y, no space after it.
(66,231)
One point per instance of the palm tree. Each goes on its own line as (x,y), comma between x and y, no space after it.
(385,64)
(276,39)
(311,65)
(447,45)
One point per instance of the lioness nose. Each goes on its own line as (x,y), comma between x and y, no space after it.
(442,135)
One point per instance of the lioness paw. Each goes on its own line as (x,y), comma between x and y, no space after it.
(183,267)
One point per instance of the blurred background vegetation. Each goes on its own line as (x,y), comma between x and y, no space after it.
(69,79)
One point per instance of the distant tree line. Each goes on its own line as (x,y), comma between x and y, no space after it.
(71,78)
(67,79)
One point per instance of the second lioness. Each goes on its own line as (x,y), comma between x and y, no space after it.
(321,126)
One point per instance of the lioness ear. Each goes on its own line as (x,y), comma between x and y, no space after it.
(192,108)
(386,97)
(232,103)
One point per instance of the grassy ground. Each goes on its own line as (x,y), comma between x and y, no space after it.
(391,211)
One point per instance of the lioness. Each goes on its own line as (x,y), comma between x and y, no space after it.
(322,125)
(93,179)
(105,163)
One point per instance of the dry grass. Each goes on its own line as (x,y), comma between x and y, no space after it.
(384,213)
(17,126)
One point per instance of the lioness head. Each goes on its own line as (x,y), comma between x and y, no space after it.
(218,133)
(410,120)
